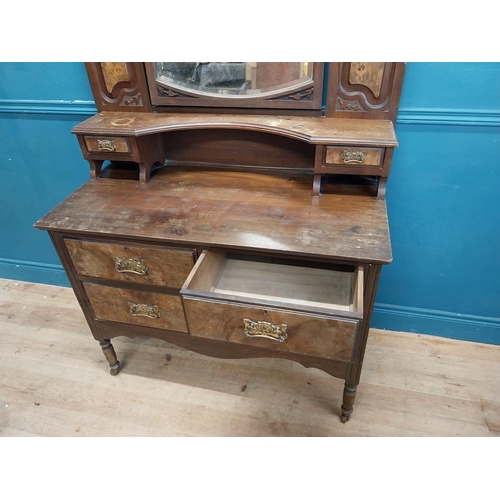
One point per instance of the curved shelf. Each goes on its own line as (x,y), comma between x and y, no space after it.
(312,130)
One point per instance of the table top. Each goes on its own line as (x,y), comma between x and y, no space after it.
(241,210)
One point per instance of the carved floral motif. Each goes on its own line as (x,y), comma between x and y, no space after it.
(167,92)
(348,105)
(135,100)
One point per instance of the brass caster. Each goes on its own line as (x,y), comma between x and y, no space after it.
(345,418)
(115,369)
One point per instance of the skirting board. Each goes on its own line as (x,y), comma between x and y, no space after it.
(35,272)
(385,316)
(440,323)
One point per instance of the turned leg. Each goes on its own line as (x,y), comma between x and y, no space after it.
(109,352)
(348,402)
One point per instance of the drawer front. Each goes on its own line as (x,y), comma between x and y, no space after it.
(138,308)
(107,144)
(311,335)
(148,265)
(354,157)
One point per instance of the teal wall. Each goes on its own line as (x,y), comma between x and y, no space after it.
(443,194)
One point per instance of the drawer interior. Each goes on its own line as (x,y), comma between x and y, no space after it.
(277,281)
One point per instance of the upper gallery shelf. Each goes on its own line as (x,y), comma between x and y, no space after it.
(312,130)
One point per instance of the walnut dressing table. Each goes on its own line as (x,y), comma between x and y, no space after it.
(228,230)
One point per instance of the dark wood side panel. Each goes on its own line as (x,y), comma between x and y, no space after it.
(365,90)
(119,86)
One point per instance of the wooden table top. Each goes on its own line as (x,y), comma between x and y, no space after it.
(236,209)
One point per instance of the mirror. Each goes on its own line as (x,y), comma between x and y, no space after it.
(264,85)
(234,78)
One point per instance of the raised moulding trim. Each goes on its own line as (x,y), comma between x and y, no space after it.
(449,116)
(48,107)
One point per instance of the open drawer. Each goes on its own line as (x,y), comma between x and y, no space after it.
(280,304)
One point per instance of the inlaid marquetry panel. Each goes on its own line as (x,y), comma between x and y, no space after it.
(113,73)
(369,74)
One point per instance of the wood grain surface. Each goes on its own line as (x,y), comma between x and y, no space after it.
(232,209)
(114,304)
(310,335)
(163,266)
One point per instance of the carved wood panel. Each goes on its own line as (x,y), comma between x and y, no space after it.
(364,90)
(119,86)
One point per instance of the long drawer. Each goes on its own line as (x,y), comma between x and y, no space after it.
(156,310)
(283,305)
(139,264)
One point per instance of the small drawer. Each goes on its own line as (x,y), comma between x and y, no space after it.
(138,308)
(107,144)
(275,303)
(138,264)
(354,157)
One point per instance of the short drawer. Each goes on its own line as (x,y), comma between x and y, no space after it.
(354,157)
(138,264)
(107,144)
(156,310)
(286,305)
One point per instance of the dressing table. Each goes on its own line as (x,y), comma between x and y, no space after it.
(234,209)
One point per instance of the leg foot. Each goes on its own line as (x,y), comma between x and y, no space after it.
(95,168)
(109,352)
(144,173)
(345,418)
(348,402)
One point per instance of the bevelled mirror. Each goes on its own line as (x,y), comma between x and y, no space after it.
(264,85)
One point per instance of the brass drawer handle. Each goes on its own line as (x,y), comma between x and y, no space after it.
(353,156)
(131,266)
(149,311)
(265,329)
(106,145)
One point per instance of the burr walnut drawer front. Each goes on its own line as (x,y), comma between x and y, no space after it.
(118,145)
(354,157)
(156,310)
(139,264)
(278,304)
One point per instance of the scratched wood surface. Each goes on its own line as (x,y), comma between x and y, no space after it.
(54,381)
(235,209)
